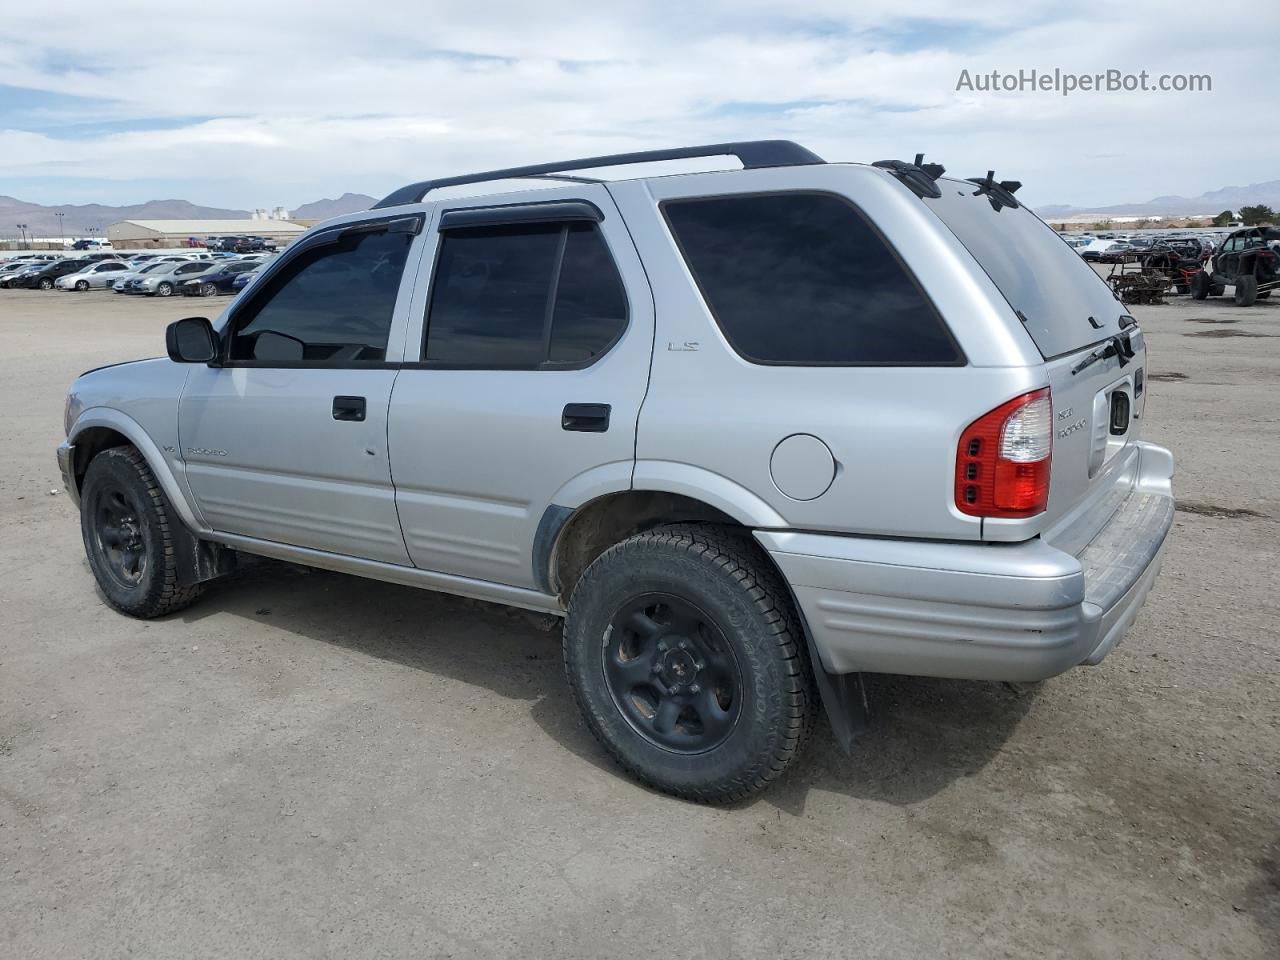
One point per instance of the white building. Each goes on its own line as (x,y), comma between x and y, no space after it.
(145,233)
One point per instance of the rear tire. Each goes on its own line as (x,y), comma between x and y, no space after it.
(689,664)
(1246,290)
(128,528)
(1200,286)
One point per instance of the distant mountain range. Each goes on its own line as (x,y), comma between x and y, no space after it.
(1215,201)
(78,218)
(324,209)
(42,221)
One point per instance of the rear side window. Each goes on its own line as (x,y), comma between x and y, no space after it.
(330,304)
(1061,301)
(524,296)
(802,278)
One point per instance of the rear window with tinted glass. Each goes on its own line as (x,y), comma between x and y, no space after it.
(1051,286)
(804,278)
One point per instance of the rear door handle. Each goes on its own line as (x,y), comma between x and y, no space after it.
(348,408)
(586,417)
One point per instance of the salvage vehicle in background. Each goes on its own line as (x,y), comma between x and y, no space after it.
(1247,260)
(217,281)
(100,274)
(933,467)
(16,268)
(48,275)
(164,279)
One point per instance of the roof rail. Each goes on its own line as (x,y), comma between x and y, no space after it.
(752,154)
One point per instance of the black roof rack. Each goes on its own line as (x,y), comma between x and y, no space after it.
(751,153)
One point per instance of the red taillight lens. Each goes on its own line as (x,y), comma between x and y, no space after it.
(1002,462)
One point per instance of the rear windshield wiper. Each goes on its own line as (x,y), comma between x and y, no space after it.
(1118,346)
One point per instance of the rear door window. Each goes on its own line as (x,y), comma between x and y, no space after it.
(524,296)
(1054,291)
(804,278)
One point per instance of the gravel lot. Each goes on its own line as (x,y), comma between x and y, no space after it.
(306,764)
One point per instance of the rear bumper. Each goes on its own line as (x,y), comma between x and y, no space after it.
(981,611)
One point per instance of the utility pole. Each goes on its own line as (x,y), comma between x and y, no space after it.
(22,227)
(61,237)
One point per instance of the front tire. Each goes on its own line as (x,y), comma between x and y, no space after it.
(208,290)
(165,289)
(82,285)
(46,283)
(689,664)
(127,527)
(1246,290)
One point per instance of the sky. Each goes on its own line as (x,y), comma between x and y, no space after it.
(262,104)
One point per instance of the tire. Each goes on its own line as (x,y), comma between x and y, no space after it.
(127,527)
(1264,294)
(165,289)
(82,285)
(1183,288)
(1200,286)
(1246,290)
(208,290)
(46,283)
(672,610)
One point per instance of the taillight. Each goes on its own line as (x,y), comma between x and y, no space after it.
(1002,462)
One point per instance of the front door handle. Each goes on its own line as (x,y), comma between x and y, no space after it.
(586,417)
(348,408)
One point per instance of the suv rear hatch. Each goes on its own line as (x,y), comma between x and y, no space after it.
(1094,354)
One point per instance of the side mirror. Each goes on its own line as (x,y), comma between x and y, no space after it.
(191,340)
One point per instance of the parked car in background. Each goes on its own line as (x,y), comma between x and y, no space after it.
(243,280)
(48,275)
(1107,251)
(164,280)
(11,271)
(100,275)
(218,280)
(121,282)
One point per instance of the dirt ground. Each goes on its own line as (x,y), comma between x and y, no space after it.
(307,764)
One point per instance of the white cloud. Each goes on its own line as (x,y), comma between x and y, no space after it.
(297,99)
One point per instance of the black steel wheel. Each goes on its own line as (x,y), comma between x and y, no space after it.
(120,538)
(688,662)
(672,673)
(128,530)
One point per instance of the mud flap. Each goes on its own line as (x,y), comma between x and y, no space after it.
(199,560)
(845,697)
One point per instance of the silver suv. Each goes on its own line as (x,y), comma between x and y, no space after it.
(753,432)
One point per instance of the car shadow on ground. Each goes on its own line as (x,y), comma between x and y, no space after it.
(924,734)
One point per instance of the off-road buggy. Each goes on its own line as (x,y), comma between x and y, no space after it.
(1249,260)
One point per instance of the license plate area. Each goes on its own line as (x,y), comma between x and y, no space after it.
(1113,415)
